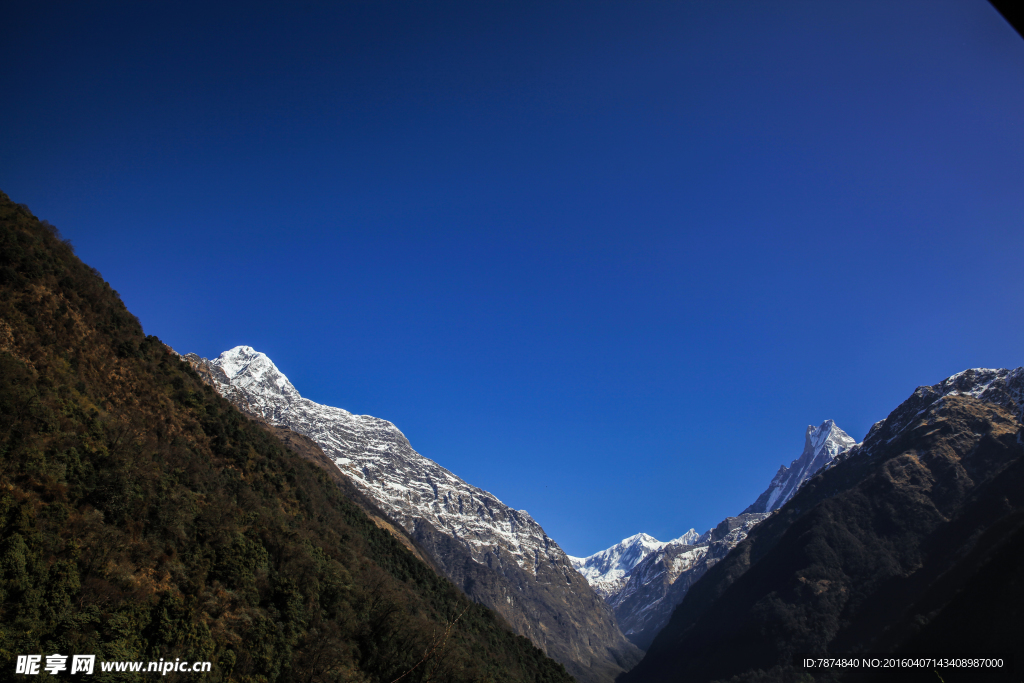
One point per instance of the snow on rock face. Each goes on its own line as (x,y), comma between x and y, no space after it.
(380,461)
(822,445)
(608,570)
(250,370)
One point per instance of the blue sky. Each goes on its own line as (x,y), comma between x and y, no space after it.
(606,260)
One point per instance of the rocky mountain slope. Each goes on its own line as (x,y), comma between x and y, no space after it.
(142,516)
(643,579)
(910,542)
(500,556)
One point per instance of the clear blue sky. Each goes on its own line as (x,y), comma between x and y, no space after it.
(606,260)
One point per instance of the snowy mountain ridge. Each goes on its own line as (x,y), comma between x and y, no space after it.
(609,570)
(822,445)
(655,585)
(498,556)
(380,460)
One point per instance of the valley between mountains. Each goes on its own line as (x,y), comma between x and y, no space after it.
(154,506)
(596,614)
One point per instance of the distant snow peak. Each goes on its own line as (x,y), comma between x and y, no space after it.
(617,560)
(644,601)
(691,537)
(610,568)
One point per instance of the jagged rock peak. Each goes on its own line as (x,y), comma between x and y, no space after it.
(828,436)
(691,537)
(822,445)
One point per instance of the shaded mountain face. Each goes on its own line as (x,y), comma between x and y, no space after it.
(499,556)
(910,542)
(142,516)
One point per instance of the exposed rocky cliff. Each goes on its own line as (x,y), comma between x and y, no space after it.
(500,556)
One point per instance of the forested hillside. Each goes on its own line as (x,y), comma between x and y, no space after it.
(143,517)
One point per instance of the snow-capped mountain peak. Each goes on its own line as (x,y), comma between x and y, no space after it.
(621,557)
(691,537)
(822,445)
(608,570)
(246,368)
(828,437)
